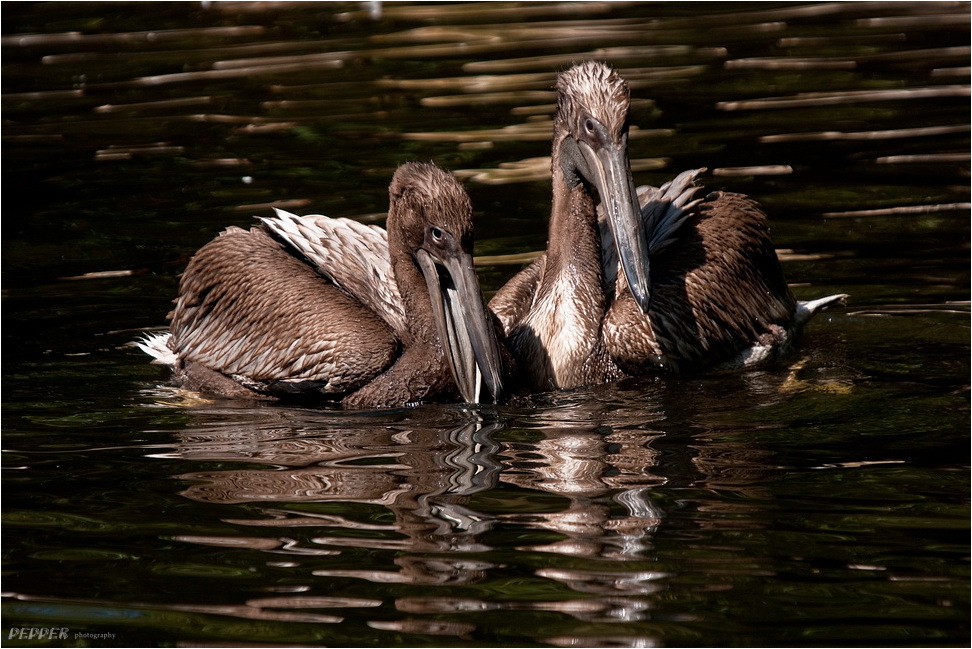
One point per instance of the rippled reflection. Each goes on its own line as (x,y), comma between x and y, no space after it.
(422,476)
(422,489)
(593,458)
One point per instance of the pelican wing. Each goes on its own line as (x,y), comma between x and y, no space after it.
(250,310)
(354,256)
(513,301)
(663,212)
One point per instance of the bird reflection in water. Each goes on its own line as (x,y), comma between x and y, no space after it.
(422,474)
(578,475)
(427,475)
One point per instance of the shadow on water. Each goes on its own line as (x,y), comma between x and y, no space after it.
(820,502)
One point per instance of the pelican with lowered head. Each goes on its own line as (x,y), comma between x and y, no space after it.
(662,281)
(333,309)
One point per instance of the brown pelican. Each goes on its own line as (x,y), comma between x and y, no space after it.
(332,308)
(699,286)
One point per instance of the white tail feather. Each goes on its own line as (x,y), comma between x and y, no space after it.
(156,346)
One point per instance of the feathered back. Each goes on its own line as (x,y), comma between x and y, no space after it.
(354,256)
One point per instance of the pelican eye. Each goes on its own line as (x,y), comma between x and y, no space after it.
(436,233)
(589,125)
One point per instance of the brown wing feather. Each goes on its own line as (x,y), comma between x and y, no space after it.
(716,291)
(249,309)
(352,255)
(515,298)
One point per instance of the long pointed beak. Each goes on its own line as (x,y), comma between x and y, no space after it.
(612,176)
(469,339)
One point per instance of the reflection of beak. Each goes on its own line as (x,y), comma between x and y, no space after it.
(612,176)
(468,338)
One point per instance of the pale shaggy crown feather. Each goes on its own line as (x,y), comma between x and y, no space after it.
(596,89)
(435,190)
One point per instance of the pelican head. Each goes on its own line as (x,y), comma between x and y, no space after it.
(431,214)
(591,138)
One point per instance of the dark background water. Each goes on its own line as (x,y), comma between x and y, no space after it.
(821,503)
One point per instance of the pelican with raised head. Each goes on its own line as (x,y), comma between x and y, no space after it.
(336,310)
(663,280)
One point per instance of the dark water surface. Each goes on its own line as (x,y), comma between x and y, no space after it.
(821,503)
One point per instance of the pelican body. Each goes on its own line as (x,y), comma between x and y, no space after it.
(333,309)
(636,281)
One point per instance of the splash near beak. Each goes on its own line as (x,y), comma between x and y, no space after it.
(468,338)
(609,171)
